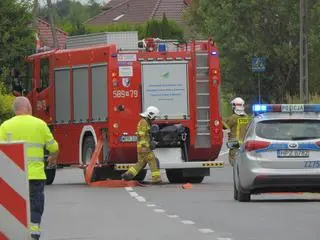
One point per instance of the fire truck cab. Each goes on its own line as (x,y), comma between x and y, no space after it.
(91,93)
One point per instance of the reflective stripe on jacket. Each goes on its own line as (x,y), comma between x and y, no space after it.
(37,136)
(143,133)
(238,125)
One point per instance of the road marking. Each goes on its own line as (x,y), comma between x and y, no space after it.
(159,210)
(187,222)
(151,205)
(133,194)
(172,216)
(140,199)
(205,230)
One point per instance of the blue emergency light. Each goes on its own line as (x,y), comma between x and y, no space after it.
(285,108)
(162,47)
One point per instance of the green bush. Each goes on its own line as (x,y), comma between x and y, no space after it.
(6,101)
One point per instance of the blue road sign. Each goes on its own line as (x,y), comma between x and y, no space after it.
(259,64)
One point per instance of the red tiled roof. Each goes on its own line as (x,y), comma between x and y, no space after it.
(45,34)
(139,11)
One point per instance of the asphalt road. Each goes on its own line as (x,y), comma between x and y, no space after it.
(207,211)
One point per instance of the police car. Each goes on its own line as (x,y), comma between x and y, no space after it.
(280,152)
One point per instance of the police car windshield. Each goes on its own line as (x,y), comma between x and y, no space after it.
(288,129)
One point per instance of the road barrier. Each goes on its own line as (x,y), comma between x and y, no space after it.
(14,192)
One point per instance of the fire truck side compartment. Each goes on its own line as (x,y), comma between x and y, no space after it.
(99,92)
(80,93)
(62,95)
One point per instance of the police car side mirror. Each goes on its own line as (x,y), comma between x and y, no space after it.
(233,144)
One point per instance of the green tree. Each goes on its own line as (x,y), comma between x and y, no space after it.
(17,40)
(244,29)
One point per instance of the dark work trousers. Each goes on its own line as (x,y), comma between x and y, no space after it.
(36,190)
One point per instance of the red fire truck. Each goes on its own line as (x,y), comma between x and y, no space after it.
(95,93)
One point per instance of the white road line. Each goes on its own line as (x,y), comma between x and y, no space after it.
(172,216)
(159,210)
(141,199)
(205,230)
(133,194)
(187,222)
(223,153)
(151,205)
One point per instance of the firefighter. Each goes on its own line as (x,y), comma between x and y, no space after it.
(16,85)
(37,136)
(237,124)
(145,145)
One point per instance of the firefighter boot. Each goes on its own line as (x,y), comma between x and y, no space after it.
(127,176)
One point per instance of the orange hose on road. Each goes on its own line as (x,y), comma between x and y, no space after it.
(109,182)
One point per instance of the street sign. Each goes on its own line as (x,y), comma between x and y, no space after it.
(259,64)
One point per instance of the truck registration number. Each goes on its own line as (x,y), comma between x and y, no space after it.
(128,138)
(125,93)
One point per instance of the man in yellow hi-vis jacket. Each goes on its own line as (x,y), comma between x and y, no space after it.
(237,123)
(37,136)
(145,147)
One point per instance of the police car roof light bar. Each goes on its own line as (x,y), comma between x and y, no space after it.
(285,108)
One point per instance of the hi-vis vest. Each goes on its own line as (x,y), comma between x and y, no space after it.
(238,126)
(36,135)
(143,132)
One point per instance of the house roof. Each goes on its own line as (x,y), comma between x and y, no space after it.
(45,35)
(139,11)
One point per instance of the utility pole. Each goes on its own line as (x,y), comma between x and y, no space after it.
(35,14)
(304,88)
(53,29)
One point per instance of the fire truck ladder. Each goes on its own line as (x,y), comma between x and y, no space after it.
(202,91)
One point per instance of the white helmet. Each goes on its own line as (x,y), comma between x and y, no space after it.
(151,112)
(238,105)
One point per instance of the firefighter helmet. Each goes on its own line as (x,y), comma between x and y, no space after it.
(238,105)
(151,112)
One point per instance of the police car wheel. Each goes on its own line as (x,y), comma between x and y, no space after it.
(235,190)
(242,196)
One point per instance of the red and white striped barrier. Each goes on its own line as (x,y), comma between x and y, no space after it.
(14,192)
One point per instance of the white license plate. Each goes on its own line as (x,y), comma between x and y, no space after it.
(293,153)
(128,138)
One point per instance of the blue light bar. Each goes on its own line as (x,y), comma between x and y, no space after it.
(285,108)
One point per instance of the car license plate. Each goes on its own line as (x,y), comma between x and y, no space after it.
(128,138)
(293,153)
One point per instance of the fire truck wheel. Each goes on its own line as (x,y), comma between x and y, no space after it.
(87,149)
(141,176)
(50,174)
(194,179)
(176,176)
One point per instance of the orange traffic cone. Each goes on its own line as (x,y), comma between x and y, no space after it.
(187,186)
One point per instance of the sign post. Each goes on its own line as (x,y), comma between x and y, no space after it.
(258,65)
(14,197)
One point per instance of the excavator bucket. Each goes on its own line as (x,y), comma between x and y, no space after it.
(110,183)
